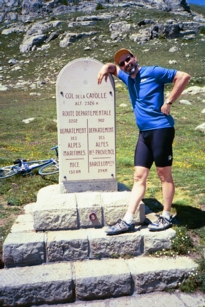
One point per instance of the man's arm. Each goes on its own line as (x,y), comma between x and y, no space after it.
(105,69)
(180,81)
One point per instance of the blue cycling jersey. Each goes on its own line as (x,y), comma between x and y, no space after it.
(146,93)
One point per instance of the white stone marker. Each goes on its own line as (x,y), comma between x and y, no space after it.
(86,128)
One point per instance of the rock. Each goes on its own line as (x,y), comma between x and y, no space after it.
(141,37)
(87,48)
(72,37)
(15,68)
(3,88)
(195,26)
(44,47)
(29,42)
(35,94)
(189,37)
(201,128)
(173,49)
(185,102)
(81,24)
(145,22)
(172,62)
(12,62)
(95,17)
(52,36)
(120,27)
(28,120)
(14,29)
(194,90)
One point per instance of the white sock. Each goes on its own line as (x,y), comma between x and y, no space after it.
(166,214)
(128,218)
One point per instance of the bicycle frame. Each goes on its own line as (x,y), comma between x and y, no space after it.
(23,167)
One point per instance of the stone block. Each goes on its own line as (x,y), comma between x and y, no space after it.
(23,223)
(28,209)
(36,285)
(21,249)
(104,279)
(115,205)
(56,212)
(24,218)
(102,245)
(115,198)
(158,240)
(48,191)
(90,185)
(67,245)
(158,274)
(87,204)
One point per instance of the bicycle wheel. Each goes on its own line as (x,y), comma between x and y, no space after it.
(8,171)
(49,169)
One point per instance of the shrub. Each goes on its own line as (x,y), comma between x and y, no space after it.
(99,6)
(202,30)
(196,280)
(182,243)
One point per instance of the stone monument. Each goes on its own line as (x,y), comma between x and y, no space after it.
(86,128)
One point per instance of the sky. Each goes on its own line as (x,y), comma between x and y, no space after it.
(198,2)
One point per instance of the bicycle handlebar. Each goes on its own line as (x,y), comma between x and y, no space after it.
(56,150)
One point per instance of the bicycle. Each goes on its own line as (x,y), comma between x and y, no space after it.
(23,167)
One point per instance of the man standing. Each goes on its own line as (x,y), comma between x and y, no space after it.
(156,130)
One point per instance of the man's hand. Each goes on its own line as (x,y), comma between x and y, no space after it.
(103,73)
(105,70)
(166,108)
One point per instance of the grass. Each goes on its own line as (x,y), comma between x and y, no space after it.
(36,99)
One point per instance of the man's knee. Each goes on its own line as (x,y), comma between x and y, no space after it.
(165,174)
(140,174)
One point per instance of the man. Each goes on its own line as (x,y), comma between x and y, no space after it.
(156,130)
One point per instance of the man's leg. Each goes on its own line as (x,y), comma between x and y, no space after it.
(143,157)
(137,193)
(168,189)
(164,220)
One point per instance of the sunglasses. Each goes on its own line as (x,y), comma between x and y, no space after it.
(121,64)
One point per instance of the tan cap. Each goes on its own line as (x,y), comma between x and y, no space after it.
(120,53)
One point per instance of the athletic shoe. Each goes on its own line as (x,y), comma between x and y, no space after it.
(120,227)
(160,224)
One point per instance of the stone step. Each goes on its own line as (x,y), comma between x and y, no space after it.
(67,282)
(159,299)
(24,246)
(55,211)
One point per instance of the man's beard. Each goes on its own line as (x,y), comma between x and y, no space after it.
(132,71)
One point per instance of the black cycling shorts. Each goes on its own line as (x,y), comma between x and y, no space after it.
(154,146)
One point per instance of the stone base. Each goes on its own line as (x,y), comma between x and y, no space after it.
(23,246)
(56,211)
(109,185)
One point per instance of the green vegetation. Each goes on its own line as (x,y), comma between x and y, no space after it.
(182,243)
(99,6)
(34,140)
(196,280)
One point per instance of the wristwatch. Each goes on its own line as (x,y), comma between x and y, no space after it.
(168,102)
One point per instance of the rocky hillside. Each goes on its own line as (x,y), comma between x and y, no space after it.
(25,10)
(35,47)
